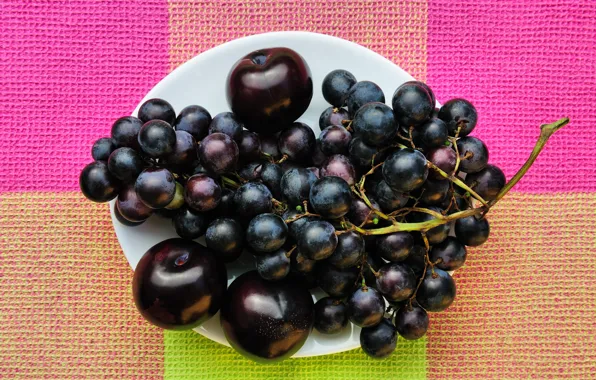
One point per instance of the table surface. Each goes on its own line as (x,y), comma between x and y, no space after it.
(526,305)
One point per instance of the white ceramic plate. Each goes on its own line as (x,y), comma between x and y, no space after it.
(202,81)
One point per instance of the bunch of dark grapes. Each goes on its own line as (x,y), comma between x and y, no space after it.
(331,210)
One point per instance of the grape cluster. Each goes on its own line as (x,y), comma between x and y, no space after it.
(363,211)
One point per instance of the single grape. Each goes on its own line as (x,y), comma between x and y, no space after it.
(411,322)
(271,176)
(437,291)
(252,170)
(375,123)
(459,114)
(374,262)
(349,250)
(218,153)
(269,145)
(395,246)
(157,138)
(472,231)
(415,260)
(102,148)
(184,155)
(202,193)
(273,266)
(297,142)
(295,227)
(194,120)
(336,282)
(449,254)
(396,282)
(360,153)
(157,109)
(227,123)
(431,134)
(432,192)
(379,341)
(436,234)
(487,183)
(473,154)
(189,223)
(156,187)
(444,158)
(124,221)
(301,263)
(125,132)
(360,212)
(336,85)
(330,197)
(97,183)
(226,207)
(339,166)
(252,199)
(125,164)
(225,237)
(405,170)
(333,116)
(432,96)
(317,240)
(331,315)
(130,206)
(295,185)
(413,104)
(366,307)
(266,233)
(178,200)
(388,199)
(361,93)
(249,146)
(334,140)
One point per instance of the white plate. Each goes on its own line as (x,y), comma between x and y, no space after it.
(202,81)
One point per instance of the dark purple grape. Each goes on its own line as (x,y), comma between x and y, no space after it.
(431,134)
(271,176)
(339,166)
(333,116)
(157,138)
(194,120)
(360,153)
(437,292)
(249,146)
(487,183)
(190,224)
(388,199)
(473,154)
(334,140)
(411,322)
(295,227)
(336,85)
(445,158)
(124,221)
(405,170)
(349,250)
(451,252)
(331,315)
(396,282)
(415,260)
(202,193)
(459,113)
(218,153)
(251,171)
(379,341)
(434,235)
(362,93)
(102,148)
(226,238)
(432,192)
(295,185)
(301,263)
(228,124)
(130,206)
(125,164)
(185,154)
(266,233)
(273,266)
(297,142)
(156,187)
(360,212)
(330,197)
(317,240)
(366,307)
(200,169)
(288,165)
(374,262)
(125,132)
(336,282)
(375,123)
(395,246)
(318,157)
(157,109)
(413,104)
(269,146)
(226,206)
(252,199)
(472,231)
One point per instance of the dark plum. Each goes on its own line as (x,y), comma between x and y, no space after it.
(266,233)
(252,199)
(102,148)
(472,231)
(413,104)
(396,282)
(125,164)
(156,187)
(297,142)
(249,146)
(336,85)
(349,250)
(388,199)
(339,166)
(184,155)
(375,123)
(130,206)
(459,113)
(334,140)
(97,183)
(395,246)
(361,93)
(360,153)
(125,132)
(157,138)
(405,170)
(431,134)
(295,185)
(449,254)
(333,116)
(366,307)
(336,282)
(487,183)
(331,315)
(273,266)
(228,124)
(157,109)
(218,153)
(437,291)
(379,341)
(330,197)
(473,154)
(194,120)
(225,237)
(411,322)
(202,193)
(317,240)
(444,158)
(190,224)
(271,176)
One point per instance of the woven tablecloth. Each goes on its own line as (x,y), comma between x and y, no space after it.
(526,303)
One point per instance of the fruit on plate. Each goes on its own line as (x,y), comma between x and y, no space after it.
(363,211)
(178,284)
